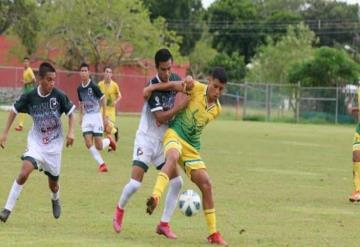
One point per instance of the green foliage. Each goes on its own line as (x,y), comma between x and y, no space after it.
(272,62)
(328,67)
(201,57)
(104,32)
(20,18)
(233,64)
(184,17)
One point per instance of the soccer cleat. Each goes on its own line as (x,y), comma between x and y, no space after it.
(118,218)
(103,168)
(116,134)
(4,215)
(164,229)
(151,204)
(19,128)
(355,196)
(112,144)
(56,208)
(216,238)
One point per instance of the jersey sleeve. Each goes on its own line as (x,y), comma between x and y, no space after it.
(78,93)
(66,106)
(97,91)
(21,105)
(155,102)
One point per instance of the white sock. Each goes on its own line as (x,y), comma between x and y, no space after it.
(172,196)
(13,195)
(95,153)
(106,142)
(130,188)
(55,196)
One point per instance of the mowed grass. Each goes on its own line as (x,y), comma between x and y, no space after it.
(274,185)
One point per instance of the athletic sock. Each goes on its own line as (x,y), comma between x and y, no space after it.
(13,195)
(172,195)
(356,175)
(162,181)
(105,142)
(95,153)
(129,189)
(210,220)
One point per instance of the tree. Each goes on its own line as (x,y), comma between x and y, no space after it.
(182,16)
(201,57)
(103,32)
(328,67)
(233,64)
(20,18)
(272,62)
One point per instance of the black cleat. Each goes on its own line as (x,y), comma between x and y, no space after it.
(4,215)
(116,134)
(56,207)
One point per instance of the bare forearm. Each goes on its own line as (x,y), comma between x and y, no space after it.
(71,123)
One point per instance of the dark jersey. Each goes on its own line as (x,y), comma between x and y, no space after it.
(46,113)
(90,96)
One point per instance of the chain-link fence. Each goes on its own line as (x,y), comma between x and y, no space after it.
(289,103)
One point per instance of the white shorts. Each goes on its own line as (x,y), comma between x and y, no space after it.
(50,163)
(92,124)
(148,150)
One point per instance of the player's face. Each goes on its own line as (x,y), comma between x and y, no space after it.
(164,70)
(26,63)
(215,89)
(84,73)
(47,83)
(108,74)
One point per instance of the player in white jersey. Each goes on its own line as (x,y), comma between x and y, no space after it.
(45,104)
(92,120)
(156,112)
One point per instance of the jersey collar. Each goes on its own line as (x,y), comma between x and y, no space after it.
(39,93)
(87,84)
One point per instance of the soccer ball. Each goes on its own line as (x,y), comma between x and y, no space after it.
(189,203)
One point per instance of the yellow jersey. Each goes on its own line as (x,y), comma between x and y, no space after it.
(28,76)
(111,92)
(190,122)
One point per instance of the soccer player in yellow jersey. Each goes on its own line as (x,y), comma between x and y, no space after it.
(182,145)
(29,84)
(355,196)
(112,96)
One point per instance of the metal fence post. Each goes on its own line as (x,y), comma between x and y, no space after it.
(337,104)
(245,99)
(297,100)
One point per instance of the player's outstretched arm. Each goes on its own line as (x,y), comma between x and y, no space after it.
(179,86)
(70,135)
(4,134)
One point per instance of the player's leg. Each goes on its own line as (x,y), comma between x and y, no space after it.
(171,199)
(172,150)
(51,166)
(142,153)
(88,138)
(201,178)
(355,196)
(28,166)
(137,174)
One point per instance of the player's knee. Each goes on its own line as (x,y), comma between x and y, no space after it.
(356,156)
(98,146)
(172,156)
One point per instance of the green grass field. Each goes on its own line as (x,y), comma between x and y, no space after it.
(274,185)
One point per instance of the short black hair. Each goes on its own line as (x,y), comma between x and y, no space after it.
(44,68)
(82,65)
(107,67)
(26,58)
(162,55)
(220,74)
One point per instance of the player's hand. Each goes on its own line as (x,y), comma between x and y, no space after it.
(69,139)
(188,83)
(3,139)
(181,101)
(147,92)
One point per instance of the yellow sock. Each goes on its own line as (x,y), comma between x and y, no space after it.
(210,220)
(356,175)
(162,181)
(21,119)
